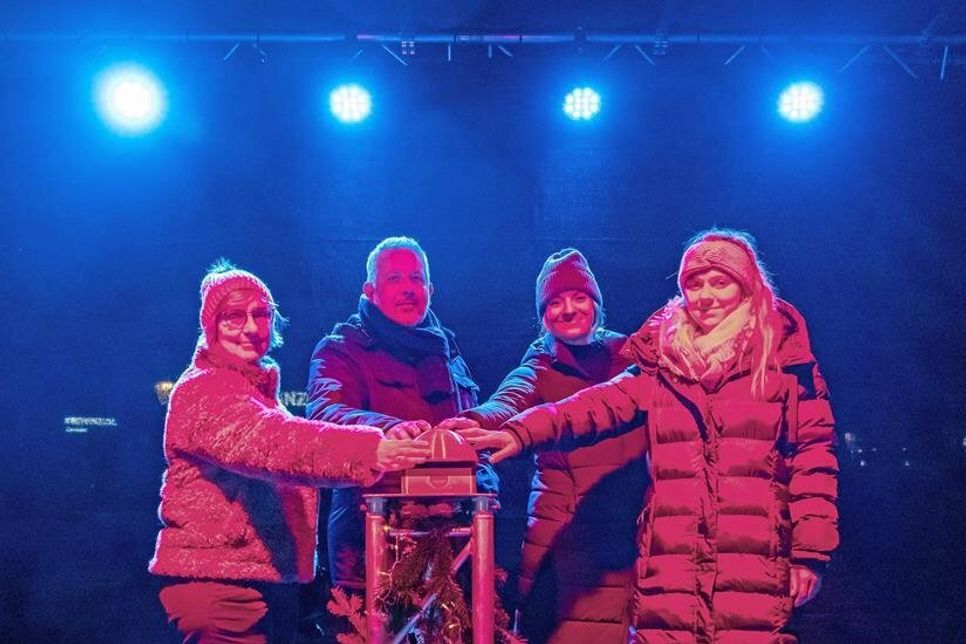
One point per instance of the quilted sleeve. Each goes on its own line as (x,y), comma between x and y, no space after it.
(813,487)
(517,393)
(220,420)
(595,413)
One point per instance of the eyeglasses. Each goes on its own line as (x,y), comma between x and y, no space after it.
(237,318)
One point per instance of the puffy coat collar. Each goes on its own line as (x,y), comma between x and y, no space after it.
(561,356)
(642,347)
(264,375)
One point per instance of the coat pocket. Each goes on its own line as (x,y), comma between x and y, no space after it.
(393,375)
(750,419)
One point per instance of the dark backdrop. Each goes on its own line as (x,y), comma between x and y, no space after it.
(105,239)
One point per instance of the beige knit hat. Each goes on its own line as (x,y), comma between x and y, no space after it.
(727,255)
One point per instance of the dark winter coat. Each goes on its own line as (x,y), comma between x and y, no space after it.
(740,489)
(354,378)
(236,501)
(577,566)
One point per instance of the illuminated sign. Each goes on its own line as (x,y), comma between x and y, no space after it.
(163,388)
(84,424)
(293,398)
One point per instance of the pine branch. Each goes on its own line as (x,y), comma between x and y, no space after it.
(348,605)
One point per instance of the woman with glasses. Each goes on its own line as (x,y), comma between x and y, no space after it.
(741,517)
(238,500)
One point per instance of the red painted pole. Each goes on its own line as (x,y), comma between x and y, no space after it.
(483,571)
(377,564)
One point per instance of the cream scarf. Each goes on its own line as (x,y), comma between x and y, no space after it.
(707,358)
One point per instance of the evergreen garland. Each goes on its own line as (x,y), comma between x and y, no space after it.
(423,567)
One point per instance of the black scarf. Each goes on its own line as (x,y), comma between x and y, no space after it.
(425,346)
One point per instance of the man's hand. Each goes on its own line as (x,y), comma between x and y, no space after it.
(400,454)
(408,429)
(504,443)
(804,584)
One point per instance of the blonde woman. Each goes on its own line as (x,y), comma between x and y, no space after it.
(741,517)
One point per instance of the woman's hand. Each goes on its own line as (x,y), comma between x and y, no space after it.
(400,454)
(504,443)
(408,429)
(804,584)
(458,423)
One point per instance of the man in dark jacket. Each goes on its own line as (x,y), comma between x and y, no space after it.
(393,366)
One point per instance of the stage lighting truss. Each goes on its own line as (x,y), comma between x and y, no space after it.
(909,52)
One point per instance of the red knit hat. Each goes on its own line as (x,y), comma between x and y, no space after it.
(565,270)
(222,279)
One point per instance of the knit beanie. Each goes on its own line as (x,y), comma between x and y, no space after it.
(216,285)
(727,255)
(565,270)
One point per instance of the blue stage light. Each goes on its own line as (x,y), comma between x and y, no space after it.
(800,102)
(582,104)
(130,99)
(350,103)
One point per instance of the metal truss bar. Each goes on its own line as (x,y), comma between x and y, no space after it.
(774,39)
(614,50)
(547,39)
(737,53)
(643,53)
(487,39)
(901,63)
(231,52)
(395,55)
(414,38)
(696,38)
(186,37)
(857,56)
